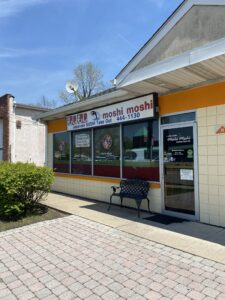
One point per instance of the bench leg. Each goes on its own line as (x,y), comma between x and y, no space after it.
(121,201)
(148,204)
(138,202)
(110,202)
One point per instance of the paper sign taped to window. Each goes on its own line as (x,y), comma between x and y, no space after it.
(186,174)
(82,140)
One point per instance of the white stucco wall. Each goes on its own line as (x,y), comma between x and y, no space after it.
(30,140)
(211,149)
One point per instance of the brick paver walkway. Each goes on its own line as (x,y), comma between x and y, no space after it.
(73,258)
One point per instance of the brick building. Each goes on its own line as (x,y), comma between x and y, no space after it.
(22,137)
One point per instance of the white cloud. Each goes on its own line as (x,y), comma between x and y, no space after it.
(16,52)
(11,7)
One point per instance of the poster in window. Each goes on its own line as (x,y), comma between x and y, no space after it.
(107,141)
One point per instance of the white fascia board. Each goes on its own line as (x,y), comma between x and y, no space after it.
(185,7)
(177,62)
(210,50)
(78,106)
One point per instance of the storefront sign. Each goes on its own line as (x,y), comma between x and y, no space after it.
(186,174)
(82,140)
(135,109)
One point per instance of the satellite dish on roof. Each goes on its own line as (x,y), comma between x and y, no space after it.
(71,86)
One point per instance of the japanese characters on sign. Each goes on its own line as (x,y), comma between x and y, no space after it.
(135,109)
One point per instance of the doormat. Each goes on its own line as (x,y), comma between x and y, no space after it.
(166,220)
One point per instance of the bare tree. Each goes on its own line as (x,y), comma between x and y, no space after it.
(89,80)
(47,103)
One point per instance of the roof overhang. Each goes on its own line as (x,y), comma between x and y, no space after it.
(175,17)
(105,99)
(194,68)
(32,107)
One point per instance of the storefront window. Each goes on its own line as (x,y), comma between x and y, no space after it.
(61,159)
(81,153)
(107,151)
(141,151)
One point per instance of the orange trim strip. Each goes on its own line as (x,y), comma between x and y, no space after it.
(102,179)
(195,98)
(57,125)
(155,185)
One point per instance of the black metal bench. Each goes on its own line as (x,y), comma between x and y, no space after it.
(133,189)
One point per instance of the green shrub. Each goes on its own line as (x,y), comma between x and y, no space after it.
(12,211)
(22,186)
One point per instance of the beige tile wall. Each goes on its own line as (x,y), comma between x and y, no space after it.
(101,191)
(211,149)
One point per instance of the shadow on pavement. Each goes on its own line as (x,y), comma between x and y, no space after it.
(189,228)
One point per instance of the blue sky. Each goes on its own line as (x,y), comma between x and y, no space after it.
(43,40)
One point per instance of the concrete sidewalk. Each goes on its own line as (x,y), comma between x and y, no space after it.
(192,237)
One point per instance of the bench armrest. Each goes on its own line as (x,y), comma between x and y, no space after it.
(114,188)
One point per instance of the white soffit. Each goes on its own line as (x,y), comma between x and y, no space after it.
(190,68)
(169,24)
(211,70)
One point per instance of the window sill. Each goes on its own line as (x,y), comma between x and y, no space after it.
(154,185)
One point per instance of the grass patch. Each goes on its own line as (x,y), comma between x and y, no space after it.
(39,213)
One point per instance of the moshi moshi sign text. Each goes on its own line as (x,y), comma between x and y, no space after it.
(135,109)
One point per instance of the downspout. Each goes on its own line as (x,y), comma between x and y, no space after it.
(13,146)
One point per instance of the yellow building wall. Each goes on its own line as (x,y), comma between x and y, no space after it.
(195,98)
(57,125)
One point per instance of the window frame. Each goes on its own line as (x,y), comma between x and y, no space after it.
(148,121)
(73,133)
(53,148)
(93,154)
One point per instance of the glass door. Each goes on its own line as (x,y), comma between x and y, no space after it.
(179,170)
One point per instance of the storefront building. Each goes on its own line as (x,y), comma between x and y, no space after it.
(163,122)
